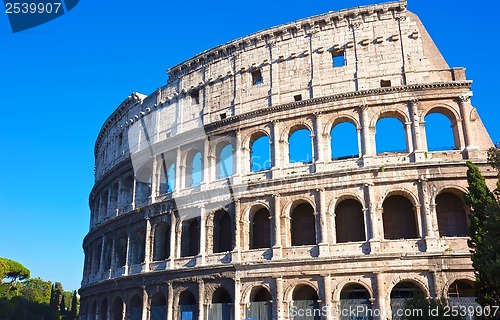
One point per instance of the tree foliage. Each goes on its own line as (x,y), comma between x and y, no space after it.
(484,231)
(423,308)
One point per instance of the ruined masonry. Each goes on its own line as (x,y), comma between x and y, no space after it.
(190,220)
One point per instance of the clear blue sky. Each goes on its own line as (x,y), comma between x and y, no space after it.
(60,81)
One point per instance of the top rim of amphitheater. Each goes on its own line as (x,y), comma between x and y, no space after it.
(391,5)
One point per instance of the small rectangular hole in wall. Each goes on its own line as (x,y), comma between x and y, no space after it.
(385,83)
(297,97)
(338,59)
(168,134)
(223,116)
(257,77)
(195,97)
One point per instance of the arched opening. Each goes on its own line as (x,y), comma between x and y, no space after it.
(260,306)
(223,232)
(158,307)
(121,250)
(260,154)
(138,247)
(161,249)
(400,293)
(344,141)
(103,210)
(390,135)
(303,225)
(93,311)
(127,193)
(135,309)
(143,185)
(349,221)
(452,220)
(113,199)
(221,307)
(187,306)
(167,177)
(225,161)
(118,309)
(439,132)
(354,297)
(103,310)
(97,258)
(194,168)
(399,218)
(108,248)
(306,299)
(190,238)
(462,295)
(300,146)
(260,230)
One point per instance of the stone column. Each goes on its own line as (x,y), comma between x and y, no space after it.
(145,304)
(276,150)
(366,141)
(101,261)
(155,179)
(381,296)
(277,247)
(147,244)
(465,111)
(279,299)
(127,257)
(323,244)
(170,301)
(201,299)
(119,200)
(178,171)
(319,142)
(108,209)
(327,281)
(237,158)
(237,233)
(203,235)
(134,190)
(237,300)
(419,150)
(409,137)
(173,233)
(112,253)
(373,223)
(207,178)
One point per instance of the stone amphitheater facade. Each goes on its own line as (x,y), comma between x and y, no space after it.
(182,229)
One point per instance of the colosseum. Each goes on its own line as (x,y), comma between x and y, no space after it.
(253,186)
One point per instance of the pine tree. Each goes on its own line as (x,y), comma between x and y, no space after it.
(74,305)
(62,307)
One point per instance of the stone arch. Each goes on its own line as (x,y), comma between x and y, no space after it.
(288,291)
(451,115)
(223,231)
(259,305)
(166,171)
(415,280)
(221,306)
(121,248)
(138,245)
(344,141)
(260,227)
(450,282)
(451,213)
(296,125)
(103,309)
(398,137)
(93,311)
(134,308)
(302,223)
(158,306)
(144,180)
(399,217)
(333,121)
(249,290)
(224,158)
(253,154)
(401,191)
(161,241)
(350,222)
(117,309)
(389,113)
(307,155)
(127,191)
(190,237)
(343,284)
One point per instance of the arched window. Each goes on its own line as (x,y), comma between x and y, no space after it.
(113,204)
(260,154)
(103,310)
(108,248)
(93,311)
(118,309)
(221,307)
(158,307)
(349,221)
(223,232)
(300,146)
(194,168)
(354,297)
(161,249)
(135,310)
(260,306)
(399,218)
(344,141)
(390,136)
(97,259)
(190,238)
(305,298)
(187,306)
(452,220)
(461,289)
(127,191)
(439,132)
(138,243)
(167,177)
(303,225)
(225,162)
(260,230)
(400,293)
(121,250)
(103,211)
(143,187)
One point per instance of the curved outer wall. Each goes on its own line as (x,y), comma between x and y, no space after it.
(143,241)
